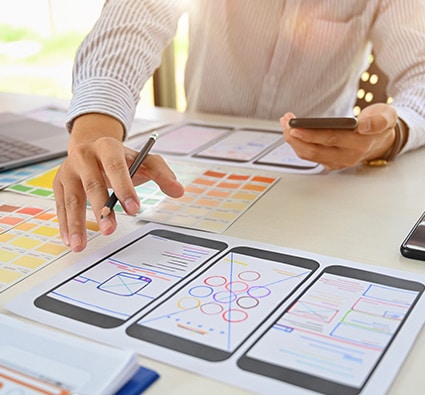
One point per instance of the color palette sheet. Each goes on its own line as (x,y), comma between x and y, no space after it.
(41,185)
(19,175)
(29,240)
(215,196)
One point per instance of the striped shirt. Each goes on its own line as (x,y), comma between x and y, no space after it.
(257,58)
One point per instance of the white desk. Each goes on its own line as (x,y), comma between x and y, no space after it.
(361,214)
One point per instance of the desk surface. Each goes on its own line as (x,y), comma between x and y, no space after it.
(361,214)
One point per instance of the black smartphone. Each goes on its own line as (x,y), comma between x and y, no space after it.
(414,244)
(115,288)
(332,338)
(210,317)
(324,123)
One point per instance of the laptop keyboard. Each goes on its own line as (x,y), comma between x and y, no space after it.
(11,149)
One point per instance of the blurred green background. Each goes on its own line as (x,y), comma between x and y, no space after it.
(38,41)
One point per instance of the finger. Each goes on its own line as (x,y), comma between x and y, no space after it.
(115,161)
(71,207)
(377,118)
(94,186)
(332,157)
(323,137)
(154,167)
(60,208)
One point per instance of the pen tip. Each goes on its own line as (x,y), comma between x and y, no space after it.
(154,135)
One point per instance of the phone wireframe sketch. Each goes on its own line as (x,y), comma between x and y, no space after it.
(211,316)
(345,320)
(118,286)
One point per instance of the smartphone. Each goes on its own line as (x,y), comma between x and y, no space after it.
(324,123)
(414,245)
(332,338)
(112,290)
(213,314)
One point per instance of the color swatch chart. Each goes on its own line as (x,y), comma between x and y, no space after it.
(41,185)
(19,175)
(29,240)
(214,197)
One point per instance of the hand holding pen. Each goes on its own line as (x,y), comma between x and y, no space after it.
(109,205)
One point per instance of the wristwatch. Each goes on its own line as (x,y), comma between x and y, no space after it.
(401,131)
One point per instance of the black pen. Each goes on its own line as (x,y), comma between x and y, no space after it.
(109,205)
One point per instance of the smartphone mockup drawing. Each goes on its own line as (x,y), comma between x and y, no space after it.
(413,245)
(188,139)
(112,290)
(241,145)
(212,315)
(324,123)
(332,338)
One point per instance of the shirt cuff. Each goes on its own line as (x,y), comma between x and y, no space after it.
(104,96)
(416,130)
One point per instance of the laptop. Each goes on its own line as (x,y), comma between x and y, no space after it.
(24,141)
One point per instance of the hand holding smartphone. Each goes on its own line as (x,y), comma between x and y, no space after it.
(324,123)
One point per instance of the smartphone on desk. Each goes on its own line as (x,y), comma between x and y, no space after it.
(414,244)
(324,123)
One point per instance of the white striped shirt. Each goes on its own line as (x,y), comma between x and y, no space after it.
(257,58)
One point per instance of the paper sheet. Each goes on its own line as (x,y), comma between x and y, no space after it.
(35,360)
(240,311)
(221,144)
(30,240)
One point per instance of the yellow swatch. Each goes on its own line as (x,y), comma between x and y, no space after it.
(31,262)
(45,180)
(7,256)
(26,242)
(8,276)
(53,249)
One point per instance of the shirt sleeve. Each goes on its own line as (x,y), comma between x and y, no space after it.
(398,40)
(119,55)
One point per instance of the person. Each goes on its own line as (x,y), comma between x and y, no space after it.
(249,58)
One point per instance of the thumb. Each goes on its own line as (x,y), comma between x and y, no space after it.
(377,118)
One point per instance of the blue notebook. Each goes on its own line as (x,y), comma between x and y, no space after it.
(141,380)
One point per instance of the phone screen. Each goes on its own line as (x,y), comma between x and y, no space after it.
(211,316)
(332,338)
(241,146)
(114,289)
(187,139)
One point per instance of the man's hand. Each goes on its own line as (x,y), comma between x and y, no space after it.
(338,149)
(97,160)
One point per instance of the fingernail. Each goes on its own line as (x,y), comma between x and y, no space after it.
(75,242)
(65,239)
(365,126)
(131,206)
(105,225)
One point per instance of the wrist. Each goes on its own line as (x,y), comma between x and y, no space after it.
(400,138)
(90,127)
